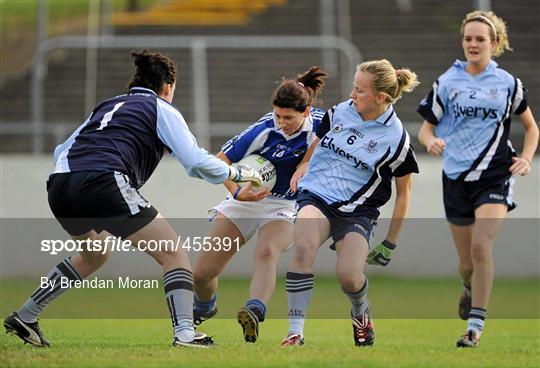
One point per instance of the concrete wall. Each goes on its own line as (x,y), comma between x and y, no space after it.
(425,247)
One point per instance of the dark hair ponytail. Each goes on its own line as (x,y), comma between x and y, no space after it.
(302,92)
(152,70)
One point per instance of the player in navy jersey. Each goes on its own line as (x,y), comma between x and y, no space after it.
(467,120)
(93,192)
(361,146)
(282,136)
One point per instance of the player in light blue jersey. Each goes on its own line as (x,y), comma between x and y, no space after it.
(362,145)
(93,193)
(467,120)
(282,136)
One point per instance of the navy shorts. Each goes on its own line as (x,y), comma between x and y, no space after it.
(92,200)
(461,198)
(341,223)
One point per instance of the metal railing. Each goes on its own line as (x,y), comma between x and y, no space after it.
(199,46)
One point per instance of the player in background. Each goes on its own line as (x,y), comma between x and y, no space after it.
(467,121)
(93,192)
(361,146)
(282,136)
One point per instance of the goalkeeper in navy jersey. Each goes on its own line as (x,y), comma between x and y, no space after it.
(467,121)
(93,192)
(362,145)
(281,136)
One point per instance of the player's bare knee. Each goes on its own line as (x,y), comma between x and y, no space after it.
(266,253)
(350,280)
(304,254)
(481,251)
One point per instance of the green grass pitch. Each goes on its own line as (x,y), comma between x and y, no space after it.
(413,329)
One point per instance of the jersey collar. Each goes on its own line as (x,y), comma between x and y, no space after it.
(463,64)
(142,90)
(386,117)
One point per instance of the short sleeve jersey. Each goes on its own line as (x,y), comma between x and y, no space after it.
(472,114)
(353,164)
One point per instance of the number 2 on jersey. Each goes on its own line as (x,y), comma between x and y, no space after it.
(108,116)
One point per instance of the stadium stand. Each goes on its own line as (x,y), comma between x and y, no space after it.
(424,39)
(195,13)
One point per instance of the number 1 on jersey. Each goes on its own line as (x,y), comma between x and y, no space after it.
(108,116)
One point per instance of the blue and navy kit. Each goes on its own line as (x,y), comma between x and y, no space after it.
(353,164)
(129,134)
(266,138)
(472,115)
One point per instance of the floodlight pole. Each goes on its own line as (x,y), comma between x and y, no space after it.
(482,5)
(327,17)
(37,106)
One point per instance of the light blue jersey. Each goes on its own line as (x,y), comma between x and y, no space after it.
(267,139)
(352,166)
(472,115)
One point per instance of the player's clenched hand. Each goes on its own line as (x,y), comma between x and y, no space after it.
(436,146)
(243,173)
(298,174)
(247,194)
(381,254)
(520,166)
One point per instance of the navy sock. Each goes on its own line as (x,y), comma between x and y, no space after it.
(257,307)
(205,306)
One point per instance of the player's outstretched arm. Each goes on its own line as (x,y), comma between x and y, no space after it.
(173,131)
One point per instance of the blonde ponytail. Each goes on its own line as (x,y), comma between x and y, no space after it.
(389,81)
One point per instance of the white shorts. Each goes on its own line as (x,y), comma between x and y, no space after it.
(251,216)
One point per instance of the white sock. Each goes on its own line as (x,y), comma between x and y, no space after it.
(185,331)
(178,284)
(358,299)
(34,305)
(475,324)
(476,319)
(299,290)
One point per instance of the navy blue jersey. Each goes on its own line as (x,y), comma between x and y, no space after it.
(129,134)
(266,138)
(472,114)
(353,165)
